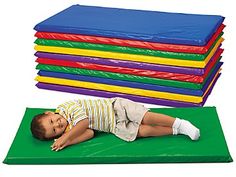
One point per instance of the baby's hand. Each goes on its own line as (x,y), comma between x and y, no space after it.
(60,143)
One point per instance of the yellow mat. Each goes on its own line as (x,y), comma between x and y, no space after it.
(126,90)
(130,57)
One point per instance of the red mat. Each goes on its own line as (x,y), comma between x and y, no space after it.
(133,43)
(132,71)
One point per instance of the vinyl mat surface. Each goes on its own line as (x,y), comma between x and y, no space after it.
(132,43)
(107,148)
(130,57)
(142,25)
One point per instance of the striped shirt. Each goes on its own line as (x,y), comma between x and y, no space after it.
(99,112)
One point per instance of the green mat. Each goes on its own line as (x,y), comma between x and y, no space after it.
(124,49)
(126,77)
(106,148)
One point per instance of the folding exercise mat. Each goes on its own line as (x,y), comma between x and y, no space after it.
(106,148)
(125,77)
(123,49)
(134,84)
(128,90)
(102,94)
(131,64)
(131,57)
(131,71)
(151,26)
(132,43)
(138,98)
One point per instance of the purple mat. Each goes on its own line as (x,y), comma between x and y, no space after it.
(142,99)
(128,64)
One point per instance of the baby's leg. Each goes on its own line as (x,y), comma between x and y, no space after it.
(151,118)
(148,130)
(177,125)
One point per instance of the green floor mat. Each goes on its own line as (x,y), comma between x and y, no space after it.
(106,148)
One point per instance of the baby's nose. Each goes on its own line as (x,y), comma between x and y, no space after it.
(57,124)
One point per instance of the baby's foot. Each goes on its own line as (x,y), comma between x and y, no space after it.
(189,129)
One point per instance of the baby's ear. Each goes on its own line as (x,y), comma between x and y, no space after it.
(48,112)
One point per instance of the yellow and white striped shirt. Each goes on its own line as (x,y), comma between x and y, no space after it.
(99,112)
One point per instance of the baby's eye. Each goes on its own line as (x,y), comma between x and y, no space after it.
(54,130)
(51,121)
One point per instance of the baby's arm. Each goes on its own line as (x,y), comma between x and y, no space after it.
(71,136)
(88,134)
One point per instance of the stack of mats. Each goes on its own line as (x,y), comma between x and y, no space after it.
(153,57)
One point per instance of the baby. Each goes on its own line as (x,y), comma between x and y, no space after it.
(75,121)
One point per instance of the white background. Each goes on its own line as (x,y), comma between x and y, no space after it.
(17,72)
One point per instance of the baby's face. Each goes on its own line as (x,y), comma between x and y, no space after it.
(54,124)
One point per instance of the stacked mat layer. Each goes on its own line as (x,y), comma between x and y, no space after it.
(153,57)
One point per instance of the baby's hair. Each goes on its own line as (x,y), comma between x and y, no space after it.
(37,129)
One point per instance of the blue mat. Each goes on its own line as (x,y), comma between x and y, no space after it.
(152,26)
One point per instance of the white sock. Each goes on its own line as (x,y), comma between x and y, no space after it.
(186,128)
(175,126)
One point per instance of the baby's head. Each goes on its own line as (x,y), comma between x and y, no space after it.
(48,125)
